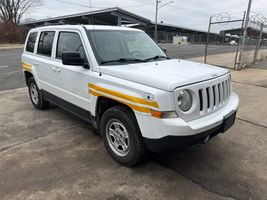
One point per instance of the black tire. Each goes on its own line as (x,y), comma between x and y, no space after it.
(40,103)
(136,147)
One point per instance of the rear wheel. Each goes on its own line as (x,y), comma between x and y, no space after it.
(36,96)
(122,137)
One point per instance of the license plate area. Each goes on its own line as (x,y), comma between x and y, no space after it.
(228,121)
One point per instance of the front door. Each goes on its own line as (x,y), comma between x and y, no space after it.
(74,86)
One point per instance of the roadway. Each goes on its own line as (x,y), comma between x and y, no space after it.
(11,72)
(191,51)
(10,69)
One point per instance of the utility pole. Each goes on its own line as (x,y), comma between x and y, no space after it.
(156,17)
(241,57)
(207,43)
(156,21)
(236,65)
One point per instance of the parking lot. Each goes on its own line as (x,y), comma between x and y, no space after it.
(51,154)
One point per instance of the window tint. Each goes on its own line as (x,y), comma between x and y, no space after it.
(68,41)
(31,42)
(45,43)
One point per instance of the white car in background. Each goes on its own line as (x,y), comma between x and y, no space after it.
(123,83)
(233,42)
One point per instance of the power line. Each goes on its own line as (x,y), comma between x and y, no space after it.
(90,3)
(71,3)
(82,5)
(190,11)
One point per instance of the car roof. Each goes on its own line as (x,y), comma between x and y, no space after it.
(78,27)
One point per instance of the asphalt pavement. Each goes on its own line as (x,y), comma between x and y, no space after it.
(191,51)
(11,72)
(11,75)
(51,154)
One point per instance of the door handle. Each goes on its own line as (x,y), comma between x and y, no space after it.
(35,63)
(56,69)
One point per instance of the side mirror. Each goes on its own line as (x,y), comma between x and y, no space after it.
(73,58)
(164,50)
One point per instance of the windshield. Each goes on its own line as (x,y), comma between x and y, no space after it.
(123,46)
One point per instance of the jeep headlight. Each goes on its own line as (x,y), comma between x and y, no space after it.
(185,100)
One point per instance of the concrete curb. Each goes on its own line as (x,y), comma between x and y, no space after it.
(11,47)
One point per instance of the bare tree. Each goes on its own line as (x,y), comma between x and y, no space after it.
(12,11)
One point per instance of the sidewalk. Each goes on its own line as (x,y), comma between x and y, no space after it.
(253,75)
(11,46)
(224,59)
(251,86)
(260,65)
(228,59)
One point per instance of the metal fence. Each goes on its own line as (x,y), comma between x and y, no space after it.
(226,33)
(233,33)
(167,37)
(255,46)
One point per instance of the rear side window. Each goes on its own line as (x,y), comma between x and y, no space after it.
(31,42)
(69,41)
(45,43)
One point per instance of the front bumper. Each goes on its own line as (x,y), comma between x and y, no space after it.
(179,143)
(175,132)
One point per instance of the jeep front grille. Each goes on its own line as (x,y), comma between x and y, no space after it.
(208,97)
(214,96)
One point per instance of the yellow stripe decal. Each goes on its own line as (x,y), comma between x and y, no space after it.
(27,69)
(124,96)
(134,107)
(26,65)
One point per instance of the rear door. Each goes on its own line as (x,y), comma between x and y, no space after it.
(43,61)
(28,56)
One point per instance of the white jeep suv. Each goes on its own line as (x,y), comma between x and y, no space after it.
(123,83)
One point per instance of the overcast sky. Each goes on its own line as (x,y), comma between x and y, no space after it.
(188,13)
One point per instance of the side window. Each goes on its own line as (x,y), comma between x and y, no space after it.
(45,43)
(68,41)
(31,42)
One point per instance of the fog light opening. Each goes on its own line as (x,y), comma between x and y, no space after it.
(207,138)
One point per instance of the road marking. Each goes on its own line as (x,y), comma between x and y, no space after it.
(13,72)
(3,67)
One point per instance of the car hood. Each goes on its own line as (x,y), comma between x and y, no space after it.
(166,74)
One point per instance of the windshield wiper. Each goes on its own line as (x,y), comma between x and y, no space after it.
(122,60)
(156,58)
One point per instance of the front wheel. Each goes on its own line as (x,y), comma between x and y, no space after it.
(122,137)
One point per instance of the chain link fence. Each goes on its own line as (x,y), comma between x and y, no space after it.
(186,38)
(225,35)
(255,48)
(232,32)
